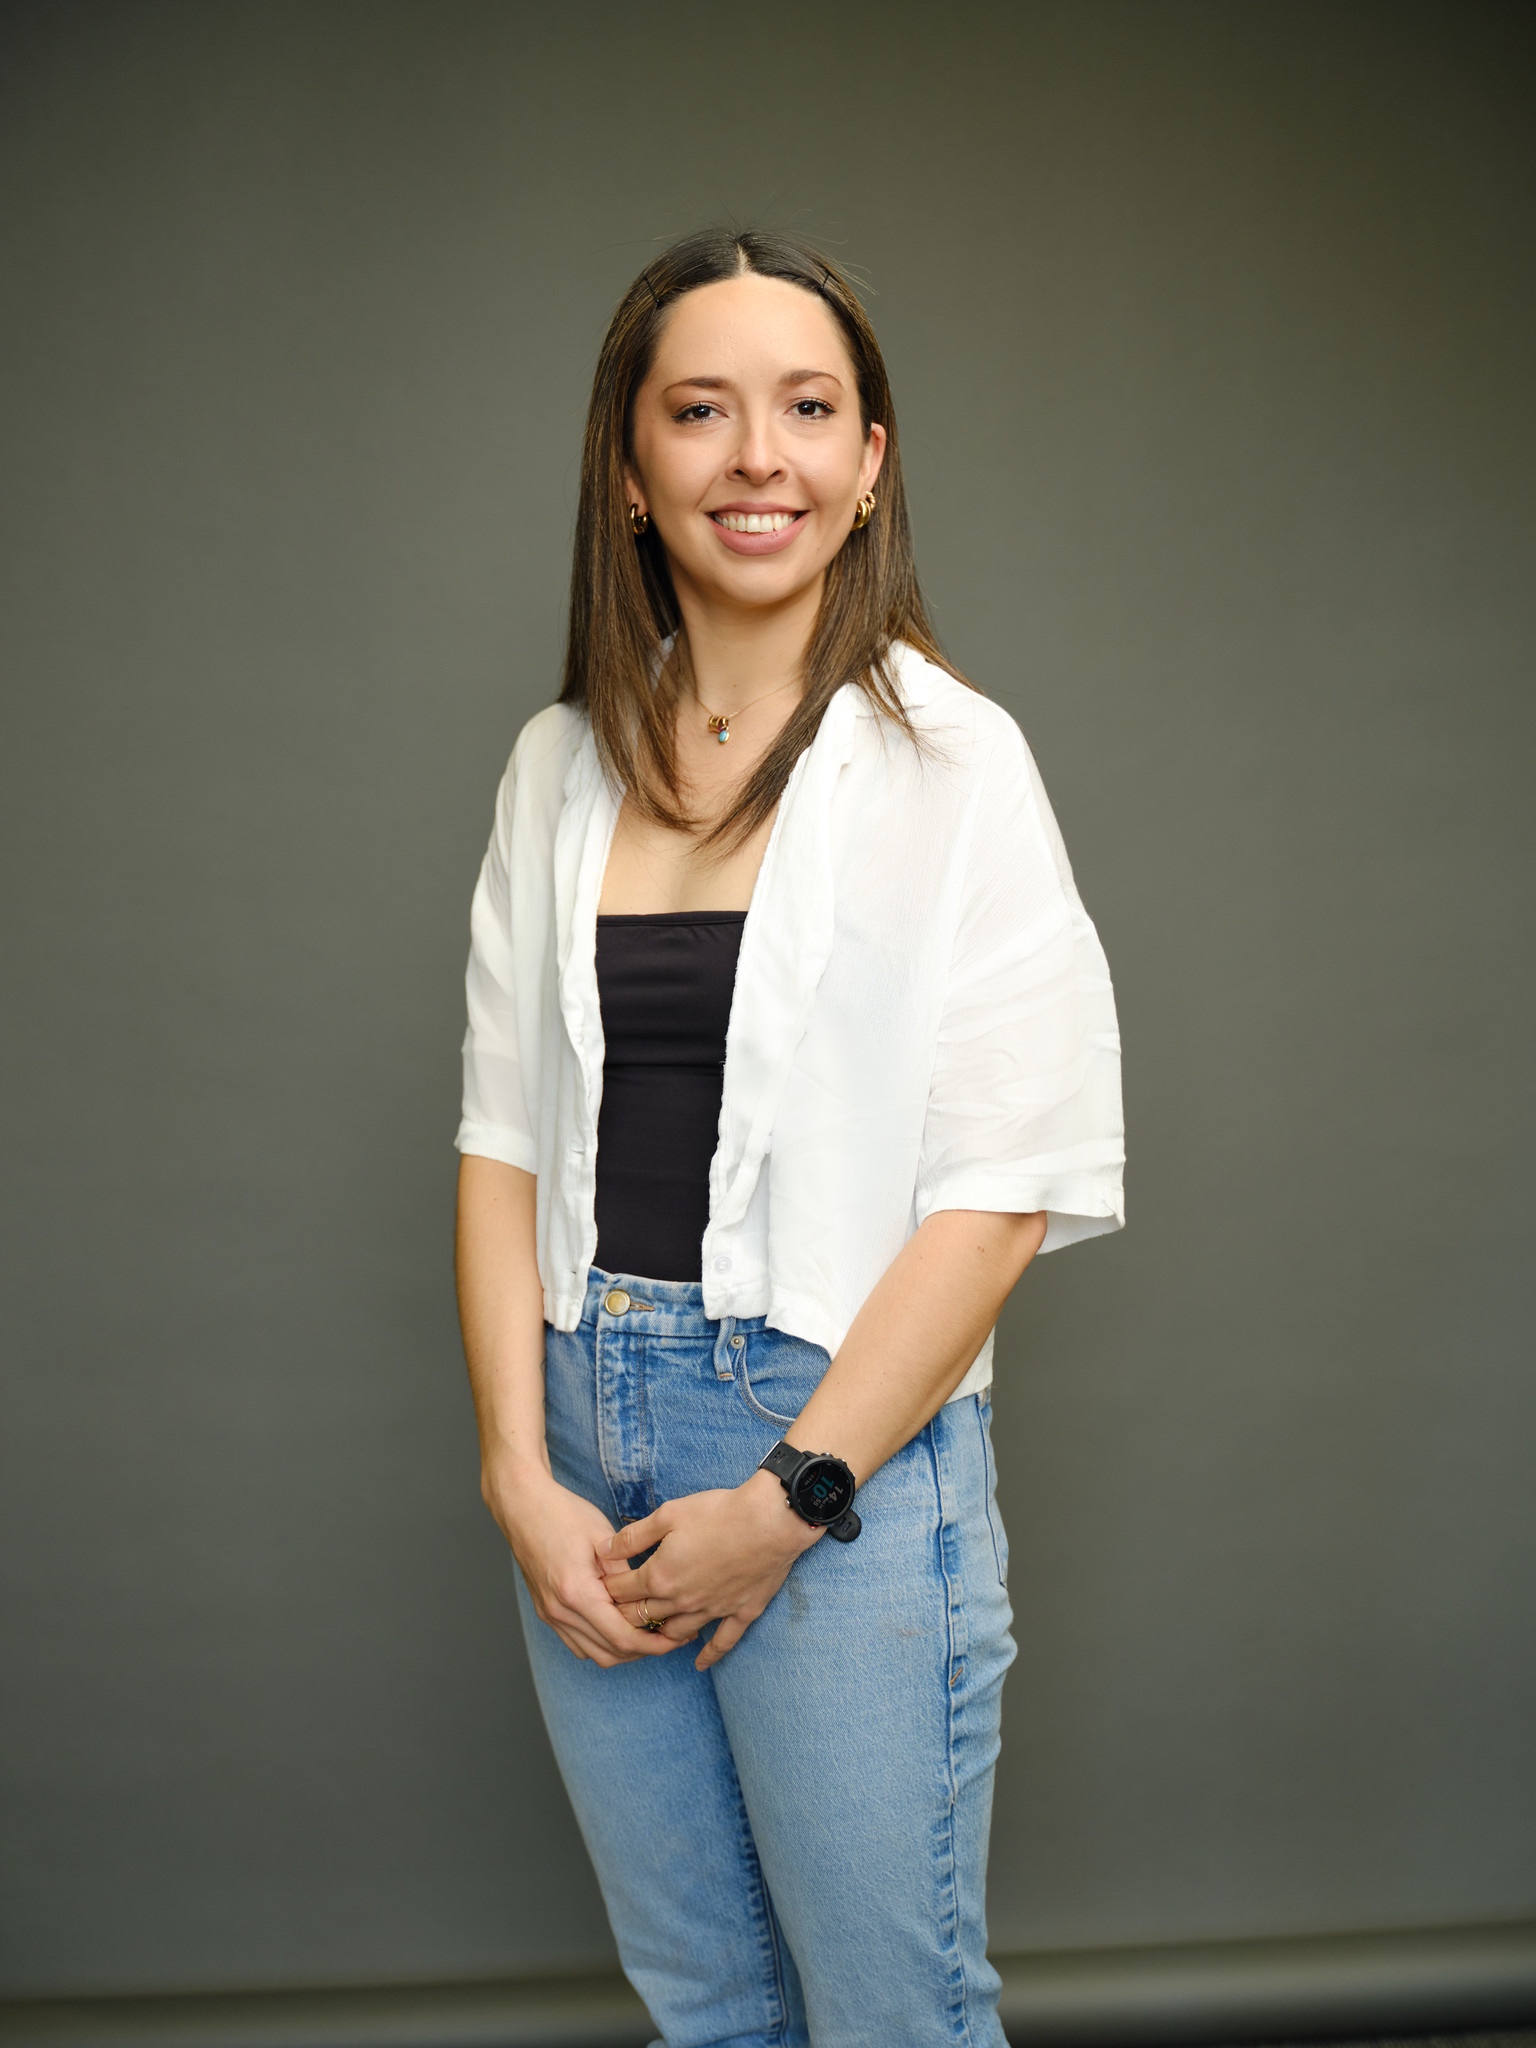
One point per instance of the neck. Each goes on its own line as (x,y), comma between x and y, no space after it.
(736,654)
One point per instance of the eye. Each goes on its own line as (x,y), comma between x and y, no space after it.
(701,411)
(812,409)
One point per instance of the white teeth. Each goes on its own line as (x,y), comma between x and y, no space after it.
(755,522)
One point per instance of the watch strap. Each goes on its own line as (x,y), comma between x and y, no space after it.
(784,1461)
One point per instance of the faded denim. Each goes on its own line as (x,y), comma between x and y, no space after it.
(793,1846)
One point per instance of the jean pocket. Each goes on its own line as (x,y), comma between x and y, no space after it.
(994,1515)
(777,1374)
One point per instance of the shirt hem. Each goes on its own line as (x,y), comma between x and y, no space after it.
(495,1141)
(1077,1207)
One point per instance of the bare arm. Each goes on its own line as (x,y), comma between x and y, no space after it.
(555,1535)
(915,1337)
(725,1554)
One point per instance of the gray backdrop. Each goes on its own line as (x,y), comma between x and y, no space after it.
(1212,331)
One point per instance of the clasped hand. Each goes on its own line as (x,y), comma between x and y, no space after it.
(720,1556)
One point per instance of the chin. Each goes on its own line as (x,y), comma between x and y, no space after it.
(767,582)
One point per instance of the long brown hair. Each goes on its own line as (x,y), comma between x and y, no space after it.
(622,602)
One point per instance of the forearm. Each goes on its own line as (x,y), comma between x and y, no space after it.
(501,1312)
(916,1334)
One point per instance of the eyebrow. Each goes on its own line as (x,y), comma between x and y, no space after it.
(724,383)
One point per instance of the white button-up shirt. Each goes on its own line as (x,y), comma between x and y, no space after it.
(922,1016)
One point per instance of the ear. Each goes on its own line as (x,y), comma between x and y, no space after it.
(874,455)
(634,490)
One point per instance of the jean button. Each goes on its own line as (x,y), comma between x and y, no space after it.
(737,1342)
(616,1301)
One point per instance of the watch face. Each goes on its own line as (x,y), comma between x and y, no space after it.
(824,1490)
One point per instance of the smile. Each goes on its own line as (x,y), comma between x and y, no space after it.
(755,522)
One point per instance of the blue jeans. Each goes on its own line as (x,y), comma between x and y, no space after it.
(793,1846)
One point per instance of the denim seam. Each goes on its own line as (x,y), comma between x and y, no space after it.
(749,1400)
(605,1424)
(762,1916)
(755,1407)
(644,1462)
(994,1517)
(623,1429)
(776,1936)
(953,1598)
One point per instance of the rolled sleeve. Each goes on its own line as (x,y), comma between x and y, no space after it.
(1024,1108)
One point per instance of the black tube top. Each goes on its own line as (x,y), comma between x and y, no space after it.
(665,984)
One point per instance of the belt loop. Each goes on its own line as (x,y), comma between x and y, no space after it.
(724,1370)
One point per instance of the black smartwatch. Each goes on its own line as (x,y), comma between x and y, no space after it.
(820,1488)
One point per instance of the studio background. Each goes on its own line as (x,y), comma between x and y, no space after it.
(1211,331)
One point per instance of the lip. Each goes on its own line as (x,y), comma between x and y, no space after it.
(757,543)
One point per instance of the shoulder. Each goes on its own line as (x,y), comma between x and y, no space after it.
(957,721)
(543,752)
(985,754)
(534,782)
(548,743)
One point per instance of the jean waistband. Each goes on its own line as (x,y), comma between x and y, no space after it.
(672,1308)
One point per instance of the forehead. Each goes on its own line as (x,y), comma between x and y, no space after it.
(744,325)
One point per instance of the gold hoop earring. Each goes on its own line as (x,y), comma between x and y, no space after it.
(639,521)
(865,511)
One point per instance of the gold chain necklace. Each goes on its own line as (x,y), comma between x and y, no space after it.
(720,722)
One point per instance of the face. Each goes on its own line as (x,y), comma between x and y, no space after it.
(749,452)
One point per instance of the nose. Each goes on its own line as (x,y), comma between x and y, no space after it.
(757,459)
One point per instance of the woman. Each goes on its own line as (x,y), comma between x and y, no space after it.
(790,1045)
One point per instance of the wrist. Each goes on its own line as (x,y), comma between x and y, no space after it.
(770,1504)
(510,1472)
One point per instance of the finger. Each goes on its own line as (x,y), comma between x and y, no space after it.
(678,1627)
(724,1639)
(609,1660)
(587,1648)
(617,1580)
(637,1536)
(650,1620)
(684,1628)
(567,1616)
(639,1613)
(593,1651)
(618,1636)
(583,1600)
(580,1640)
(640,1584)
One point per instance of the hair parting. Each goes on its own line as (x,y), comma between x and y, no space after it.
(623,608)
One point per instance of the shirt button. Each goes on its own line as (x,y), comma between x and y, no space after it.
(722,1265)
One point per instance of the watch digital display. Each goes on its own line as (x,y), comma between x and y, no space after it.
(824,1490)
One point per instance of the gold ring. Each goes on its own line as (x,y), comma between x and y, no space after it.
(643,1609)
